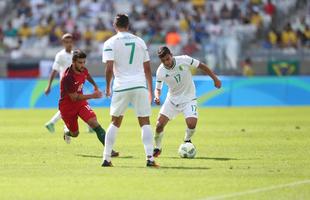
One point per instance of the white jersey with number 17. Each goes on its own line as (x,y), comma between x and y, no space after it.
(181,88)
(128,52)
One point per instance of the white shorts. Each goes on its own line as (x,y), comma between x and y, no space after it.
(171,110)
(138,98)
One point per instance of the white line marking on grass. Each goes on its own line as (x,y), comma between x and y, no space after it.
(258,190)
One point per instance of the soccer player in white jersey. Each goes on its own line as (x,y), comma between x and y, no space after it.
(63,60)
(126,57)
(181,97)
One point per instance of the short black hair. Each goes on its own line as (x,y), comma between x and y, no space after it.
(121,21)
(163,51)
(78,54)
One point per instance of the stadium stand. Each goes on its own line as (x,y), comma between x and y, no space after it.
(222,33)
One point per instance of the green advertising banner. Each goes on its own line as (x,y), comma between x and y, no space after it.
(283,67)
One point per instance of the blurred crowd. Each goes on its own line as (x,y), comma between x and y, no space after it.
(295,34)
(214,29)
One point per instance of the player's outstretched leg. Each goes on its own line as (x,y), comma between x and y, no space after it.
(159,134)
(50,125)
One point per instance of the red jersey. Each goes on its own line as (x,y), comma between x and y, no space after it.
(72,82)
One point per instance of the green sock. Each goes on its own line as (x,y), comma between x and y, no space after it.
(100,133)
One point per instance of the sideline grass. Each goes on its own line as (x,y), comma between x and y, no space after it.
(238,149)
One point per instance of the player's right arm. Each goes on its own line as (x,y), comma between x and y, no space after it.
(108,77)
(55,69)
(71,89)
(108,59)
(158,87)
(52,76)
(80,97)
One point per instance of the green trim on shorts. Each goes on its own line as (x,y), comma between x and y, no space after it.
(138,87)
(108,50)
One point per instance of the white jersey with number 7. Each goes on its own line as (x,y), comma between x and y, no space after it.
(128,52)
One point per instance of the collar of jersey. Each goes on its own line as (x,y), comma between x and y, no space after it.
(172,65)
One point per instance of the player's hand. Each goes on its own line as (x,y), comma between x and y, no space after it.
(157,101)
(97,94)
(96,89)
(217,83)
(47,90)
(108,92)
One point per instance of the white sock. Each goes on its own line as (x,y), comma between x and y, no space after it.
(55,118)
(66,129)
(109,142)
(158,137)
(188,134)
(147,138)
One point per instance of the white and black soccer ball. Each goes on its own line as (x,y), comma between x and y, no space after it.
(187,150)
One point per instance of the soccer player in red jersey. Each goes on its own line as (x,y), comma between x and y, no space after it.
(73,103)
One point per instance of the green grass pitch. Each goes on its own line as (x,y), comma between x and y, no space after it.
(242,153)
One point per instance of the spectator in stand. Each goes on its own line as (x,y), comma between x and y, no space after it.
(102,33)
(306,36)
(256,19)
(190,47)
(247,67)
(210,13)
(288,37)
(173,38)
(40,29)
(235,12)
(25,31)
(225,12)
(10,31)
(273,38)
(270,8)
(76,35)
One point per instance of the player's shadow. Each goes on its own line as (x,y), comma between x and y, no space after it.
(169,167)
(184,168)
(207,158)
(94,156)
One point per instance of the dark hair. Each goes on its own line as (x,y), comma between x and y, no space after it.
(78,54)
(163,51)
(121,21)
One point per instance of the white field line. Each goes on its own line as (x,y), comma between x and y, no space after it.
(258,190)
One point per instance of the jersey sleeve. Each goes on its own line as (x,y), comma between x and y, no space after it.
(108,52)
(146,56)
(191,61)
(159,79)
(57,63)
(69,85)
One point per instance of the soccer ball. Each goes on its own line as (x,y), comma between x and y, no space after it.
(187,150)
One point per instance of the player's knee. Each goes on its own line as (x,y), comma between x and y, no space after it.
(74,134)
(93,123)
(191,125)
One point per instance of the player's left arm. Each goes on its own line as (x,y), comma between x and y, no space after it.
(208,71)
(91,80)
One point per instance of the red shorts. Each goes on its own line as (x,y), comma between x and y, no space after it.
(70,116)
